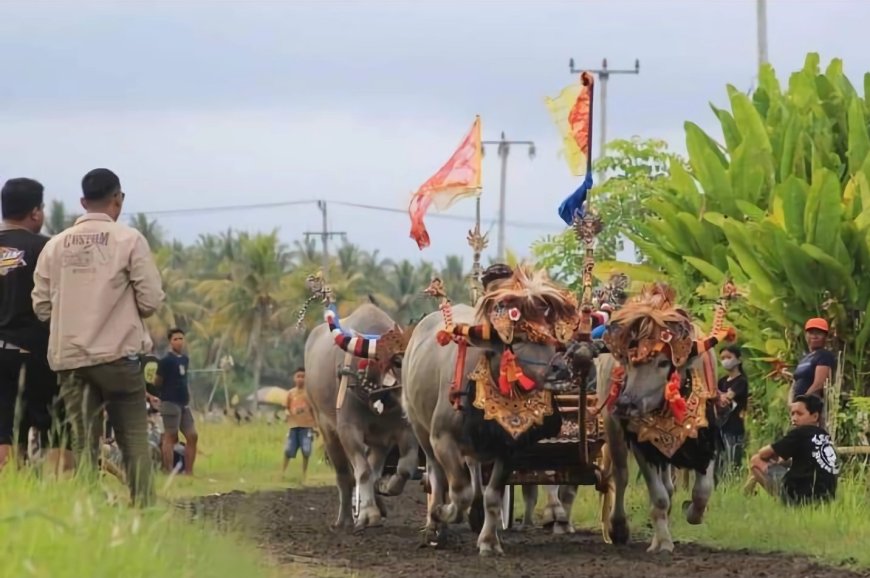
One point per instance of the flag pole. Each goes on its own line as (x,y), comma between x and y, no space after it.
(586,228)
(478,242)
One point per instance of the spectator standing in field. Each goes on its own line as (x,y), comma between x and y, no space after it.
(23,337)
(300,419)
(733,400)
(817,365)
(812,476)
(96,282)
(171,381)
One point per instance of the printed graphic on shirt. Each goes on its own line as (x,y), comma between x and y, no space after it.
(10,258)
(824,454)
(84,250)
(181,369)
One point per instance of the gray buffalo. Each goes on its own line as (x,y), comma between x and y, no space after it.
(658,408)
(359,436)
(457,442)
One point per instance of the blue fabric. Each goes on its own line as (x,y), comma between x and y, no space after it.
(173,370)
(599,332)
(332,308)
(574,202)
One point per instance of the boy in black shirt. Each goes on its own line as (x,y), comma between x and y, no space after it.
(23,338)
(171,380)
(812,476)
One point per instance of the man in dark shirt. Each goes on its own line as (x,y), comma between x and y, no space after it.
(23,338)
(812,476)
(171,380)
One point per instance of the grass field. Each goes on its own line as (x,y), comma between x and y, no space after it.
(64,528)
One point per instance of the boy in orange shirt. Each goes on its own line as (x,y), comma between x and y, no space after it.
(300,418)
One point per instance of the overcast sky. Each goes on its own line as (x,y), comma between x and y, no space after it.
(205,104)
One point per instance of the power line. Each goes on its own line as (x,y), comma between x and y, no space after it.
(460,218)
(228,208)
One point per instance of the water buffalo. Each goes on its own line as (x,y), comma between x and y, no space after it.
(656,380)
(359,435)
(452,439)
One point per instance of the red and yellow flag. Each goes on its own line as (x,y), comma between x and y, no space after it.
(457,179)
(571,111)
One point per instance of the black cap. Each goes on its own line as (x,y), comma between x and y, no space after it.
(99,184)
(495,272)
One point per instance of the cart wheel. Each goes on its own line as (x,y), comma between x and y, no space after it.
(507,508)
(476,515)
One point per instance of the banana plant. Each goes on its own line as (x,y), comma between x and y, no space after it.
(782,206)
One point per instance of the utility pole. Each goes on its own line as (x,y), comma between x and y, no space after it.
(504,147)
(761,6)
(603,74)
(324,235)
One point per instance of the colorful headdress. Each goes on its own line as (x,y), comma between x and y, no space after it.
(649,324)
(529,302)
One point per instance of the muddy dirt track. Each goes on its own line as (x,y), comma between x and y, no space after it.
(293,527)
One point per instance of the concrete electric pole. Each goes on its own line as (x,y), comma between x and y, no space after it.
(504,146)
(603,74)
(324,235)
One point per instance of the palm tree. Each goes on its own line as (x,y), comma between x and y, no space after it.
(58,218)
(181,308)
(455,279)
(151,230)
(244,301)
(406,284)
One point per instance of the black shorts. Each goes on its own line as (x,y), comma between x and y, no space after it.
(40,405)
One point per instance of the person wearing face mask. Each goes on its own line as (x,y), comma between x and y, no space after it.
(812,474)
(732,403)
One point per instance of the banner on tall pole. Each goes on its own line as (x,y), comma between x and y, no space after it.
(571,110)
(459,178)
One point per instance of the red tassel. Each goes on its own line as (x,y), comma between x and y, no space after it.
(510,372)
(504,387)
(617,375)
(526,382)
(676,403)
(443,338)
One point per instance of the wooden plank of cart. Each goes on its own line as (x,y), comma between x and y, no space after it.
(572,458)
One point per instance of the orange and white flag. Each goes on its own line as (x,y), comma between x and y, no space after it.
(457,179)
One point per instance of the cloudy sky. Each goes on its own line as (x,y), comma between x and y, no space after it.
(202,104)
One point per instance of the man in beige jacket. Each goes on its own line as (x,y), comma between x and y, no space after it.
(96,282)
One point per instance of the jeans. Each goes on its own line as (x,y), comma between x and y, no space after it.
(119,388)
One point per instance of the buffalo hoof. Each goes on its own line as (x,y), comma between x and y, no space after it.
(619,533)
(368,518)
(553,515)
(342,523)
(382,507)
(447,514)
(694,515)
(487,549)
(433,536)
(664,547)
(395,485)
(562,528)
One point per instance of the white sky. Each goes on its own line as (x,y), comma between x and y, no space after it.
(199,104)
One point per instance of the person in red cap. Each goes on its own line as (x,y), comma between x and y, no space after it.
(813,371)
